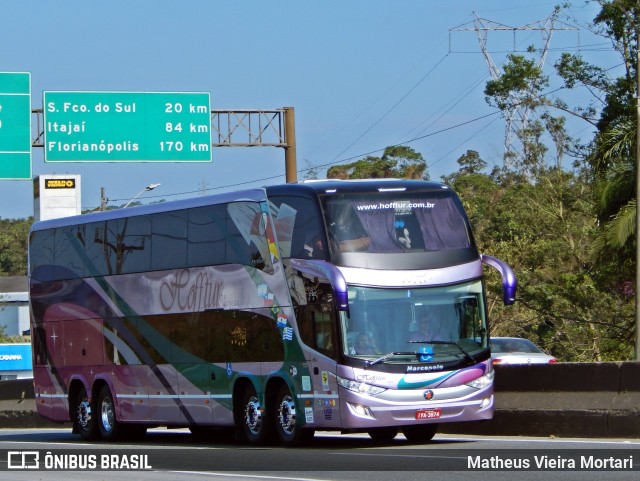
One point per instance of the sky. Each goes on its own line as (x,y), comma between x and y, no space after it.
(361,75)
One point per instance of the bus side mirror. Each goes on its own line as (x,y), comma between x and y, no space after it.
(509,282)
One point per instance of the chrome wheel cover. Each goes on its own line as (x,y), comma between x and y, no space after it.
(107,415)
(287,415)
(84,413)
(253,419)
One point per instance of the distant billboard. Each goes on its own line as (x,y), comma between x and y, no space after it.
(127,127)
(56,195)
(15,357)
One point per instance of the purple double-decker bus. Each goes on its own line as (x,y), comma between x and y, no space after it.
(351,306)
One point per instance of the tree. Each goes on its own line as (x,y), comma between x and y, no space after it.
(613,153)
(567,302)
(14,235)
(585,293)
(396,162)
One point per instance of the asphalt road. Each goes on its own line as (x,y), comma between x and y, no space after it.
(176,455)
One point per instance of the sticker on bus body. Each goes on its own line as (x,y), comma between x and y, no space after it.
(308,414)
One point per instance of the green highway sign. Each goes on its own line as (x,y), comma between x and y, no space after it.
(127,127)
(15,125)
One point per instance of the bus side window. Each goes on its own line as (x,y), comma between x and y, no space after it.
(207,232)
(95,245)
(41,260)
(248,236)
(315,325)
(169,240)
(308,239)
(135,234)
(69,243)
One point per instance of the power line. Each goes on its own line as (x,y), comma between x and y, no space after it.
(381,96)
(264,179)
(415,139)
(393,106)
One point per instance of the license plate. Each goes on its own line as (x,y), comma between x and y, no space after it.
(428,413)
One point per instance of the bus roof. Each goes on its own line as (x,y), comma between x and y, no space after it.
(317,187)
(250,195)
(332,186)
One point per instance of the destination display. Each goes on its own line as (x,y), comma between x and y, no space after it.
(15,125)
(127,127)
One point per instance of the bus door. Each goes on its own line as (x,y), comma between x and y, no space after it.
(314,299)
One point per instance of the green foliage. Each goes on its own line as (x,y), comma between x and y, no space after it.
(12,339)
(567,302)
(396,161)
(568,235)
(521,83)
(13,246)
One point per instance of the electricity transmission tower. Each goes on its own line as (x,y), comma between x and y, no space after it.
(517,114)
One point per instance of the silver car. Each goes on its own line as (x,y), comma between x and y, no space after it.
(516,350)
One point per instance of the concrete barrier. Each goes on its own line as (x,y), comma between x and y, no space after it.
(18,406)
(564,399)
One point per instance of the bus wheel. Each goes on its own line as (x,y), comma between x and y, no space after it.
(286,415)
(85,419)
(422,433)
(110,429)
(254,418)
(383,434)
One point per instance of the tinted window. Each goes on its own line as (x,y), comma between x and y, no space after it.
(111,241)
(235,233)
(315,323)
(207,231)
(96,249)
(41,255)
(169,240)
(251,337)
(313,305)
(70,243)
(395,222)
(247,240)
(299,227)
(135,247)
(210,336)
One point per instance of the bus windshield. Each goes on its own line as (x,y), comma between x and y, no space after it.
(394,222)
(447,321)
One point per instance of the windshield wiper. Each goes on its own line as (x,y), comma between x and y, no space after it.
(448,343)
(387,356)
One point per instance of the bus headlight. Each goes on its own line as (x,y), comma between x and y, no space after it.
(359,387)
(482,381)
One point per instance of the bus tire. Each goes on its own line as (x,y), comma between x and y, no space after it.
(383,434)
(85,418)
(110,428)
(254,418)
(288,430)
(420,433)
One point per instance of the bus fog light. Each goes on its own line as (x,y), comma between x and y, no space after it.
(360,410)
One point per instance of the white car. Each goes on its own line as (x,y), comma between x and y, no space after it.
(516,350)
